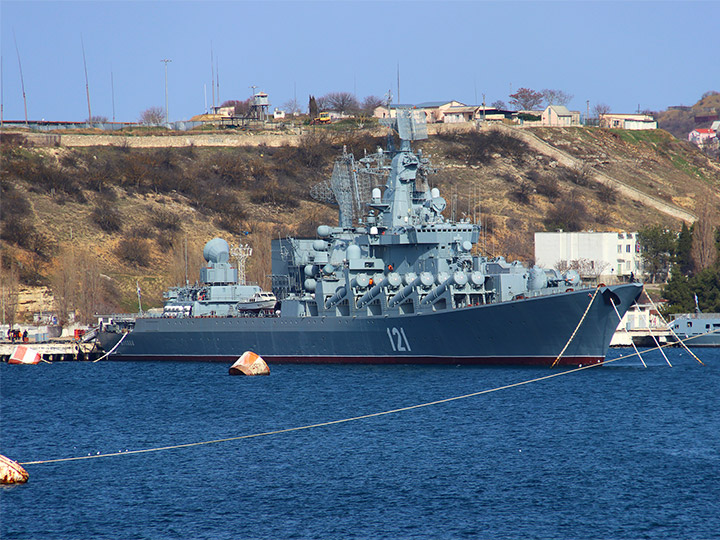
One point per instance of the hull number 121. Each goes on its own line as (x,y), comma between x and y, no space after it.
(398,340)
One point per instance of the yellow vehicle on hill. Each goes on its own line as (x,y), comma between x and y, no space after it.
(323,118)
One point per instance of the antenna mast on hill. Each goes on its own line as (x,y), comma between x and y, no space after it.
(112,91)
(167,114)
(22,81)
(87,86)
(212,80)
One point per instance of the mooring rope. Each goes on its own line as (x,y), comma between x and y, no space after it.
(344,420)
(113,349)
(671,330)
(572,336)
(655,340)
(631,340)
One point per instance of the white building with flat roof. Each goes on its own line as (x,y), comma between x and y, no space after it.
(595,255)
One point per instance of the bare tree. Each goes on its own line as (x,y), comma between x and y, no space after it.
(703,251)
(240,108)
(526,99)
(9,291)
(343,102)
(64,285)
(322,103)
(600,109)
(499,104)
(291,106)
(89,287)
(77,286)
(370,103)
(585,267)
(556,97)
(153,115)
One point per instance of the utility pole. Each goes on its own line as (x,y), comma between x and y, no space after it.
(167,114)
(112,92)
(587,114)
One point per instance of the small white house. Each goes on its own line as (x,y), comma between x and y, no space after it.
(701,137)
(627,121)
(595,255)
(561,116)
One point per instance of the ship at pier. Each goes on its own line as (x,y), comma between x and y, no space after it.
(394,282)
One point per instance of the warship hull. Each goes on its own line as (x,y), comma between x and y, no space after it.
(529,331)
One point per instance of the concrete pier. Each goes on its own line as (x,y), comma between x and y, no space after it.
(55,350)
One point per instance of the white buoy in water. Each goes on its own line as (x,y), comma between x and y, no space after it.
(24,355)
(11,472)
(250,364)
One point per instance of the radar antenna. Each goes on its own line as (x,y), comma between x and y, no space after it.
(410,124)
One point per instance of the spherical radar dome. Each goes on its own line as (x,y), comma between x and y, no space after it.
(217,250)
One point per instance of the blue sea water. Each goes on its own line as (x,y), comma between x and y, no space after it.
(618,451)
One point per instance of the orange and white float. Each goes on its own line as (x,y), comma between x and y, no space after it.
(24,355)
(250,364)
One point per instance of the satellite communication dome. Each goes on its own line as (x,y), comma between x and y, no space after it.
(217,250)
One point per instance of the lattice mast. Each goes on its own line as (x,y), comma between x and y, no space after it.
(241,254)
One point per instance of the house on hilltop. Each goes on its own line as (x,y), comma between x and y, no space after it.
(390,111)
(434,110)
(560,116)
(627,121)
(702,137)
(454,115)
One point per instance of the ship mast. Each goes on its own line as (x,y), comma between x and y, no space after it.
(241,254)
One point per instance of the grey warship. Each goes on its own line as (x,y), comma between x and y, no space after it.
(395,282)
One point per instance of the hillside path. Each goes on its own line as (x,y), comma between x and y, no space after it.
(627,191)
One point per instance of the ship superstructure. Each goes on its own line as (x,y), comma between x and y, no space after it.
(395,281)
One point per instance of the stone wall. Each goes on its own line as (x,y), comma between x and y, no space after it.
(176,141)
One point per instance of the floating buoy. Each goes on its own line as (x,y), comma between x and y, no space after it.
(11,472)
(250,364)
(24,355)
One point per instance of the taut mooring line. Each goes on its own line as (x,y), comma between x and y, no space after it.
(344,420)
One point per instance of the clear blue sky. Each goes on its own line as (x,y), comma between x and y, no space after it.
(624,54)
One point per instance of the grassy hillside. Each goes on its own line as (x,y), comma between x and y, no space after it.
(92,222)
